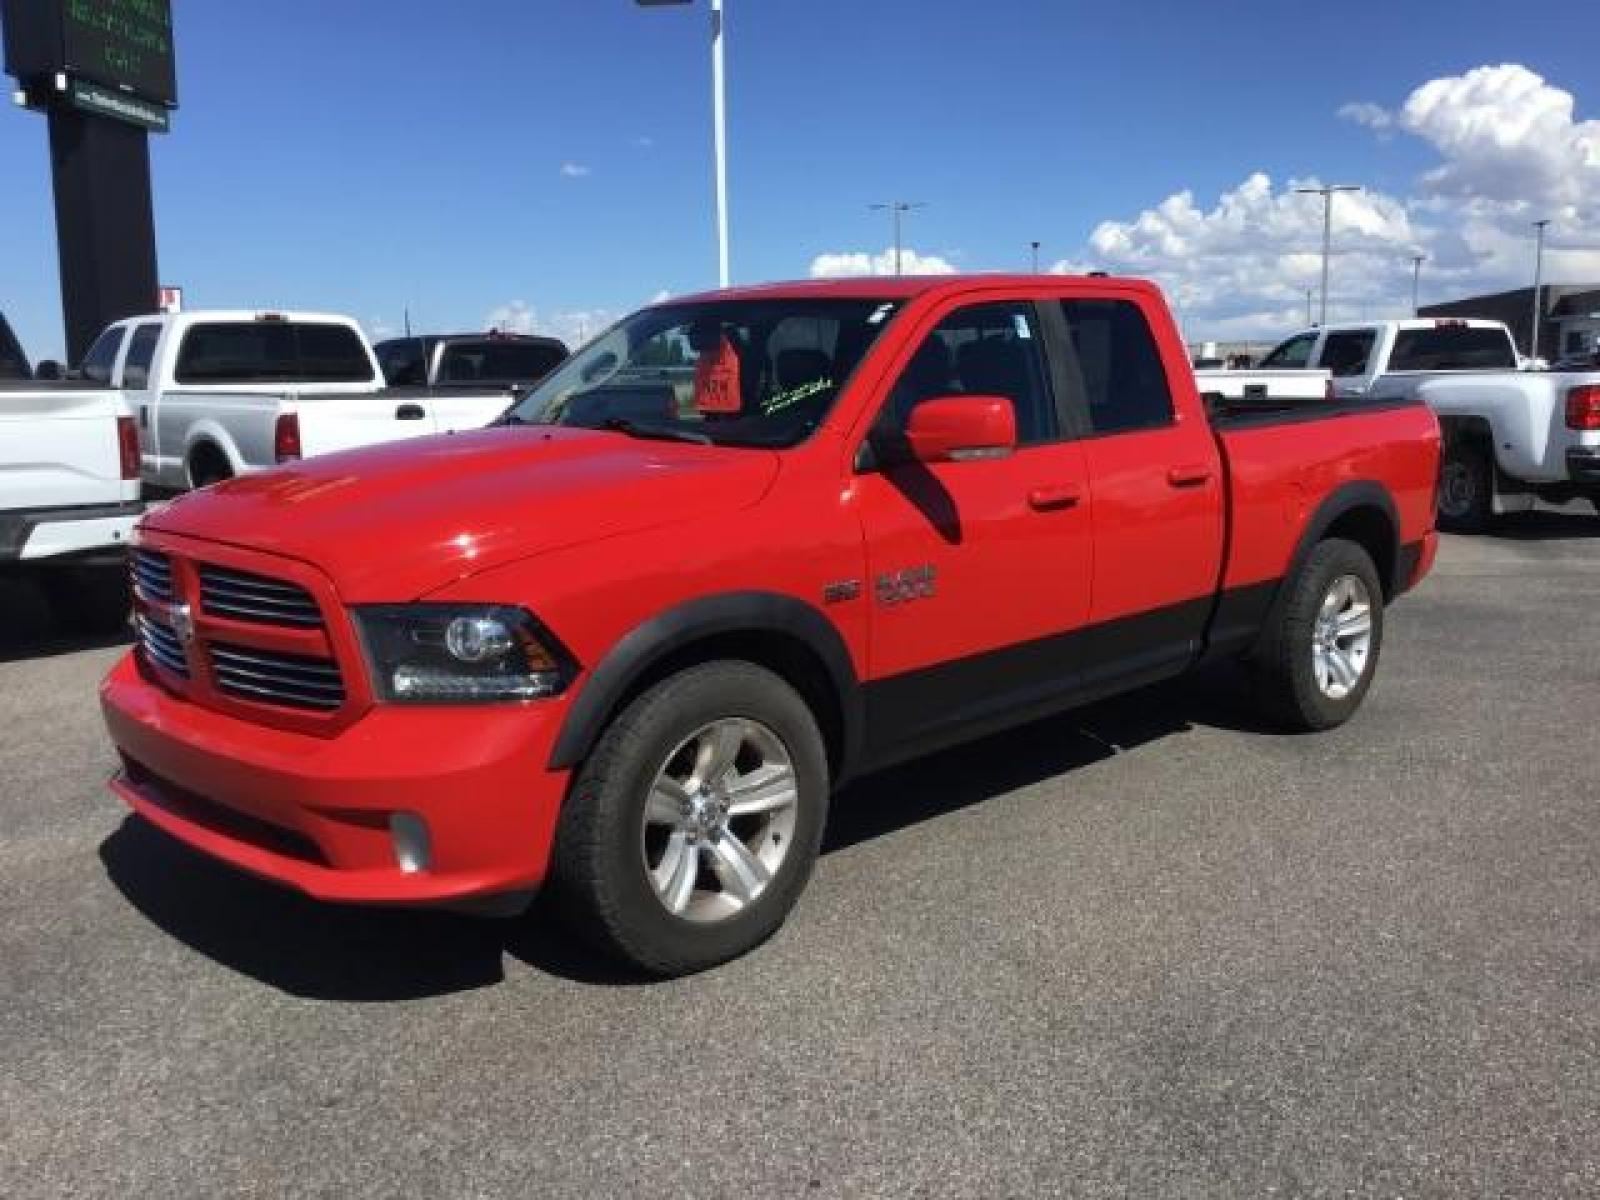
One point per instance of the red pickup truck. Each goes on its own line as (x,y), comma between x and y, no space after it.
(744,546)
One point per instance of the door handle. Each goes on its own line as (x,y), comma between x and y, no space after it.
(1189,475)
(410,412)
(1049,499)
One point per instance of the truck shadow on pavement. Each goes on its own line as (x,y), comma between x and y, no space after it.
(26,630)
(364,955)
(1544,526)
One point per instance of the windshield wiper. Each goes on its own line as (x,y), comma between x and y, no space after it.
(661,433)
(509,417)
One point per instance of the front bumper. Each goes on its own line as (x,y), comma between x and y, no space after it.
(317,813)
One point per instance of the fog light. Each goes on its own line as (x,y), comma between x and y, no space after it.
(411,848)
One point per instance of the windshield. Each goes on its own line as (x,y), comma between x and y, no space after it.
(736,372)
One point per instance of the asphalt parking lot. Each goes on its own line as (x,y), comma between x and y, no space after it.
(1148,949)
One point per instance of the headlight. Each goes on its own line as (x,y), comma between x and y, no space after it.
(460,654)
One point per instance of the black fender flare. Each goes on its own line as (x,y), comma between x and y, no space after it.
(729,613)
(1346,498)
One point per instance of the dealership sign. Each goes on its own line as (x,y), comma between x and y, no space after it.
(96,48)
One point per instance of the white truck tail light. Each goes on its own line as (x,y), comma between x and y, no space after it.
(128,447)
(286,438)
(1583,408)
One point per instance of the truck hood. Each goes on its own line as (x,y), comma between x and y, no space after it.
(392,523)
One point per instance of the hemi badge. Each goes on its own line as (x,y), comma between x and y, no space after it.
(839,593)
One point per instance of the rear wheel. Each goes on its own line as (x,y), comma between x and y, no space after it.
(1466,487)
(1319,655)
(208,465)
(93,600)
(693,827)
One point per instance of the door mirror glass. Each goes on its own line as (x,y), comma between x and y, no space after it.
(955,428)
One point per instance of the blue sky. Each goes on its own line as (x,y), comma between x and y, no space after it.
(360,156)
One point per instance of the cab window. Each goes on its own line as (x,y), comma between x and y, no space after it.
(984,350)
(1347,352)
(1293,355)
(141,353)
(102,357)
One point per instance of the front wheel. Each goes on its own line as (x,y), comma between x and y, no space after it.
(693,827)
(1320,652)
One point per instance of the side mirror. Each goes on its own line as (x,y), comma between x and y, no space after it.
(953,428)
(50,370)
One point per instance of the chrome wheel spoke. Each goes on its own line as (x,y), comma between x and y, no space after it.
(762,791)
(1354,622)
(714,756)
(1342,669)
(667,803)
(741,872)
(675,876)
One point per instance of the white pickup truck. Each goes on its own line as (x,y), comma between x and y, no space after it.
(69,495)
(218,394)
(1389,360)
(1512,438)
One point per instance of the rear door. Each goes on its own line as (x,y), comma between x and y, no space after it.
(978,571)
(1155,477)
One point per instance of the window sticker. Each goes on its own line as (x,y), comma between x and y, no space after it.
(1021,323)
(787,399)
(716,381)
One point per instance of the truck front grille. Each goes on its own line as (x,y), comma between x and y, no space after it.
(152,574)
(266,677)
(240,596)
(161,646)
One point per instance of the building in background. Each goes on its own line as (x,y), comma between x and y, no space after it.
(1569,322)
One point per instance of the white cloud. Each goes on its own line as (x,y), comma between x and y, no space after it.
(849,263)
(572,326)
(1510,150)
(661,297)
(572,170)
(1373,116)
(379,329)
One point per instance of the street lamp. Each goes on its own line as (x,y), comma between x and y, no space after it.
(897,208)
(1326,192)
(720,121)
(1538,283)
(1416,282)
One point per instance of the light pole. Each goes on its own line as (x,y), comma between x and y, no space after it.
(719,104)
(1538,283)
(1309,320)
(1035,248)
(1416,282)
(897,208)
(1326,192)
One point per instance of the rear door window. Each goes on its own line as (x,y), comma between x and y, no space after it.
(1124,384)
(141,353)
(272,352)
(1452,348)
(1347,352)
(498,361)
(98,364)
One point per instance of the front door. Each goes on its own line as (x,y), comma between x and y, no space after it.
(979,571)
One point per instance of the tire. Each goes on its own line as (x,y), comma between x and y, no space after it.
(90,600)
(1466,487)
(1298,684)
(611,875)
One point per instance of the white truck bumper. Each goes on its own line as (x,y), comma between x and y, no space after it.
(34,536)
